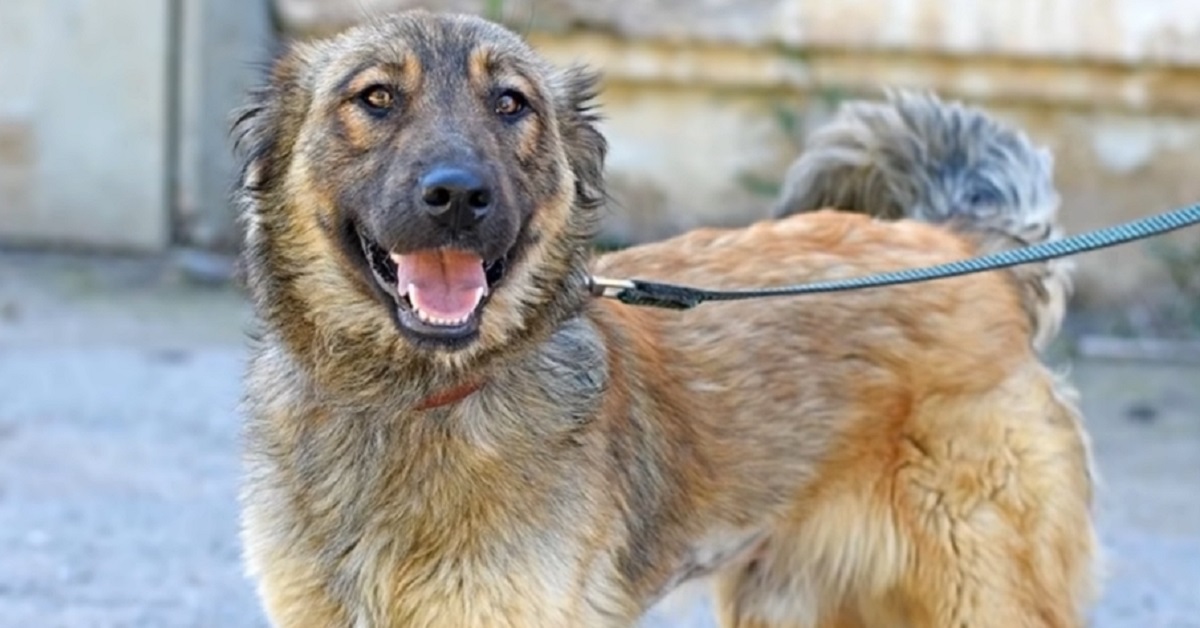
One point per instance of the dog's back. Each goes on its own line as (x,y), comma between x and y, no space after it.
(916,156)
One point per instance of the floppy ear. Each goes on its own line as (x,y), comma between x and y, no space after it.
(585,146)
(253,140)
(264,130)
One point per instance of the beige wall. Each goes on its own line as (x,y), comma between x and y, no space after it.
(114,118)
(83,122)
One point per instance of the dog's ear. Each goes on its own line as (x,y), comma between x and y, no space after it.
(253,139)
(585,145)
(265,129)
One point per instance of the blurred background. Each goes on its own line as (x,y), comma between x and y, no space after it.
(121,331)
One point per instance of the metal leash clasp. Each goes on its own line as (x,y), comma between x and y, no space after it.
(647,293)
(609,288)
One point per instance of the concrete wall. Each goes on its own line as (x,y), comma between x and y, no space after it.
(114,117)
(224,46)
(84,122)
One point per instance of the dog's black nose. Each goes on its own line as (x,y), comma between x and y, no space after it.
(456,197)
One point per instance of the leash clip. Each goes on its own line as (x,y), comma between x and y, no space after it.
(635,292)
(609,288)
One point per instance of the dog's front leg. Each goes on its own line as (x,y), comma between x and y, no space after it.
(294,596)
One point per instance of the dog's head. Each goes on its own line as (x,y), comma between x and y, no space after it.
(425,173)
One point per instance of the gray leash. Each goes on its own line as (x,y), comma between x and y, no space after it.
(677,297)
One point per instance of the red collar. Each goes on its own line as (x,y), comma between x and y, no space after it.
(450,395)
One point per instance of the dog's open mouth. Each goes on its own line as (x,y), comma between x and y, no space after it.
(439,293)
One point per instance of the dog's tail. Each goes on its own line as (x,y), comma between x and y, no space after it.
(916,156)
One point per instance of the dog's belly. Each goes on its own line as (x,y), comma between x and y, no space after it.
(714,551)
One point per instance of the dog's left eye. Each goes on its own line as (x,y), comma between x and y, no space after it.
(377,99)
(510,104)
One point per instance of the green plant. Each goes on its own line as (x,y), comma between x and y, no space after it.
(494,10)
(1182,265)
(791,122)
(758,185)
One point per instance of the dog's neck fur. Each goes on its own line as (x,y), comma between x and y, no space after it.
(524,397)
(527,422)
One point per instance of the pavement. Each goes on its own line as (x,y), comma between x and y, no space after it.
(119,442)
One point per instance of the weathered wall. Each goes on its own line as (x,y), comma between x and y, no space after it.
(1163,31)
(223,46)
(114,118)
(83,122)
(694,88)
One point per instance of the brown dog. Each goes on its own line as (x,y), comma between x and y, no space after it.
(445,429)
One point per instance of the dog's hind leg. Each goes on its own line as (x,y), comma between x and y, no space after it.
(971,512)
(746,597)
(991,497)
(964,574)
(777,590)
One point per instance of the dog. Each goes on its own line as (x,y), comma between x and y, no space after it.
(444,427)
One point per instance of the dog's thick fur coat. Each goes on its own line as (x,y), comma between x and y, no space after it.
(894,457)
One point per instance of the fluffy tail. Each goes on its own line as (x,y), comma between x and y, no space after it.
(916,156)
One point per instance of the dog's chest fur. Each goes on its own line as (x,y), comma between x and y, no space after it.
(416,519)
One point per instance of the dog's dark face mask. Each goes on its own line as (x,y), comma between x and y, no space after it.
(444,150)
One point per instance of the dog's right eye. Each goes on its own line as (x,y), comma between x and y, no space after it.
(377,99)
(510,104)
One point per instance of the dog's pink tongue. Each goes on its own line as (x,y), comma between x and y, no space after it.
(442,284)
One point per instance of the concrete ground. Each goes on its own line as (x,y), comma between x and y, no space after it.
(119,441)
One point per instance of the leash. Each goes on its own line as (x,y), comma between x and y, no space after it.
(678,297)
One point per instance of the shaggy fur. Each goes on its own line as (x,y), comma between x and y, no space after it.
(894,457)
(918,157)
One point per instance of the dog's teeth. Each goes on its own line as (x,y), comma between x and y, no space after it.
(409,289)
(439,320)
(480,292)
